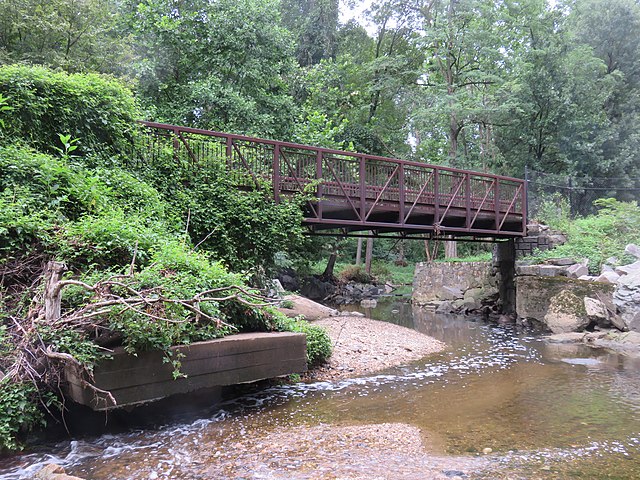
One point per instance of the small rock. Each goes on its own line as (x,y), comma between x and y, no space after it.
(571,337)
(587,278)
(560,262)
(487,450)
(608,276)
(52,471)
(577,270)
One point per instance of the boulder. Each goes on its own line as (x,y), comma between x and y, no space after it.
(556,240)
(577,270)
(571,337)
(632,249)
(551,271)
(608,276)
(534,294)
(597,311)
(627,299)
(628,269)
(566,313)
(445,307)
(527,269)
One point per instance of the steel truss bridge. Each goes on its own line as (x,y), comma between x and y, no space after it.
(354,193)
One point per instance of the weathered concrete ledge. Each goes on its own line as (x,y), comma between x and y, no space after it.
(242,358)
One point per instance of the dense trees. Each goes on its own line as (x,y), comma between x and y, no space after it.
(473,83)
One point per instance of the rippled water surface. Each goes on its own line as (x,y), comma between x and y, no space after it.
(545,411)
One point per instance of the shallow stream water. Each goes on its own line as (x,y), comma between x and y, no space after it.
(545,411)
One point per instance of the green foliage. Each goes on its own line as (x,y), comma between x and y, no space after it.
(555,211)
(219,65)
(20,412)
(68,34)
(241,225)
(86,217)
(319,346)
(598,237)
(4,107)
(97,110)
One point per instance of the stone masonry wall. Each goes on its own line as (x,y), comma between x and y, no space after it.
(436,281)
(538,237)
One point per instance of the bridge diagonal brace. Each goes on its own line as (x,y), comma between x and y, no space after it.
(513,201)
(188,147)
(484,199)
(395,171)
(246,165)
(344,192)
(424,186)
(297,180)
(453,197)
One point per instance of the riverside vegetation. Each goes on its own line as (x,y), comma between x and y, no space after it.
(153,257)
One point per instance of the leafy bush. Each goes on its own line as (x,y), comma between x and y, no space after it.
(355,273)
(98,110)
(19,413)
(243,226)
(598,237)
(319,346)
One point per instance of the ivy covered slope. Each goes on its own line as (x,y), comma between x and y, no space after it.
(127,270)
(595,237)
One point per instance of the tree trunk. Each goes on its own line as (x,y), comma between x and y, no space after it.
(328,271)
(368,255)
(359,252)
(450,249)
(52,275)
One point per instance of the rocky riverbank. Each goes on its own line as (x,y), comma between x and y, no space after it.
(362,346)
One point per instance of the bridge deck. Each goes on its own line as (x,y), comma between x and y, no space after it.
(356,192)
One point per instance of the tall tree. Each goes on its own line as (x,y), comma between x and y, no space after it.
(315,24)
(220,65)
(76,35)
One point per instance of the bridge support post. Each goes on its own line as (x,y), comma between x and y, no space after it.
(504,261)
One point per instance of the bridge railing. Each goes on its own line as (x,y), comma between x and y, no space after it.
(364,185)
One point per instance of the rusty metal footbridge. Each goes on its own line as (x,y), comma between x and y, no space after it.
(356,193)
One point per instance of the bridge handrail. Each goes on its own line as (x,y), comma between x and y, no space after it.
(213,133)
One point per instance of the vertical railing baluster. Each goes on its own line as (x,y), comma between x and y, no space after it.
(467,198)
(319,179)
(276,173)
(401,193)
(496,200)
(229,152)
(363,186)
(436,195)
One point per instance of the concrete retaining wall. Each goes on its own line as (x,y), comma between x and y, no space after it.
(241,358)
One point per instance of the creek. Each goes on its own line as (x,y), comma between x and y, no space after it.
(545,411)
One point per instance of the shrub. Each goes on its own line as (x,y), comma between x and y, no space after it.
(98,110)
(19,413)
(355,273)
(598,237)
(319,346)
